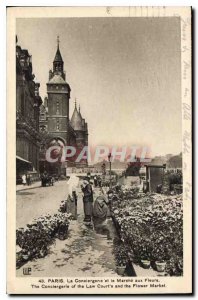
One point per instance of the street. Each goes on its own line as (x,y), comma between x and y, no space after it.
(83,253)
(34,202)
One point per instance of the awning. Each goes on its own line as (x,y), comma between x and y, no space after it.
(23,160)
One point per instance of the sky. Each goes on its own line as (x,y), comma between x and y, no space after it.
(124,72)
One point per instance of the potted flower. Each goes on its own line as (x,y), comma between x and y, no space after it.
(145,255)
(160,255)
(25,255)
(145,263)
(120,256)
(160,265)
(121,263)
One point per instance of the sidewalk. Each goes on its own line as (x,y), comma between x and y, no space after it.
(21,187)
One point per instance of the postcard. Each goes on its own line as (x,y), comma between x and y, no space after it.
(99,159)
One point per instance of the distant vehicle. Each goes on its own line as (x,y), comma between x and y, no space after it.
(47,180)
(56,177)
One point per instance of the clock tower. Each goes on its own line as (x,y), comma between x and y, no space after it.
(55,122)
(58,91)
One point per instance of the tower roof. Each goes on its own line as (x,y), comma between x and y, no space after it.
(57,79)
(58,56)
(76,120)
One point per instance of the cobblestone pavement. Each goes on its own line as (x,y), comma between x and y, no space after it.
(83,253)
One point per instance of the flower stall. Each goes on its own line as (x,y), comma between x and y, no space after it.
(150,227)
(34,240)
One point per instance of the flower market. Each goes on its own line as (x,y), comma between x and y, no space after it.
(132,231)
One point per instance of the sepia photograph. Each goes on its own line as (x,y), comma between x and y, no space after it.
(101,150)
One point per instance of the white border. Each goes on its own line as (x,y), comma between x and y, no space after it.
(3,95)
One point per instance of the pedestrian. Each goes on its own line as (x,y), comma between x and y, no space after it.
(44,177)
(92,185)
(28,179)
(95,181)
(110,195)
(99,181)
(101,213)
(87,200)
(72,196)
(24,179)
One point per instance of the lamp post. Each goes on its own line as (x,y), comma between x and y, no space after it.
(66,161)
(109,158)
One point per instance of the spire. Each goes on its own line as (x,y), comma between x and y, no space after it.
(76,119)
(79,112)
(58,57)
(58,64)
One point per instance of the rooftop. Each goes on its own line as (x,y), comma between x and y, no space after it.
(57,79)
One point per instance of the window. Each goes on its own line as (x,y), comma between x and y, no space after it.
(42,128)
(57,125)
(42,116)
(57,107)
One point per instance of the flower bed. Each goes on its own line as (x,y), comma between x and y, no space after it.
(34,240)
(151,228)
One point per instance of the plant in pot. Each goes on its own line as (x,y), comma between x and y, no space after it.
(144,252)
(161,254)
(120,257)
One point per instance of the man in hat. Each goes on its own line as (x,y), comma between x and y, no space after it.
(87,199)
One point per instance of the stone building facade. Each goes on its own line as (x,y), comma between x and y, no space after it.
(28,103)
(55,124)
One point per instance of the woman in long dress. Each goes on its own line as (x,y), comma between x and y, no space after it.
(87,200)
(24,179)
(100,212)
(102,216)
(72,196)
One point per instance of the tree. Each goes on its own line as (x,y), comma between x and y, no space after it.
(175,162)
(133,168)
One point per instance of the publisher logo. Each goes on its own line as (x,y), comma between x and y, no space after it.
(27,271)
